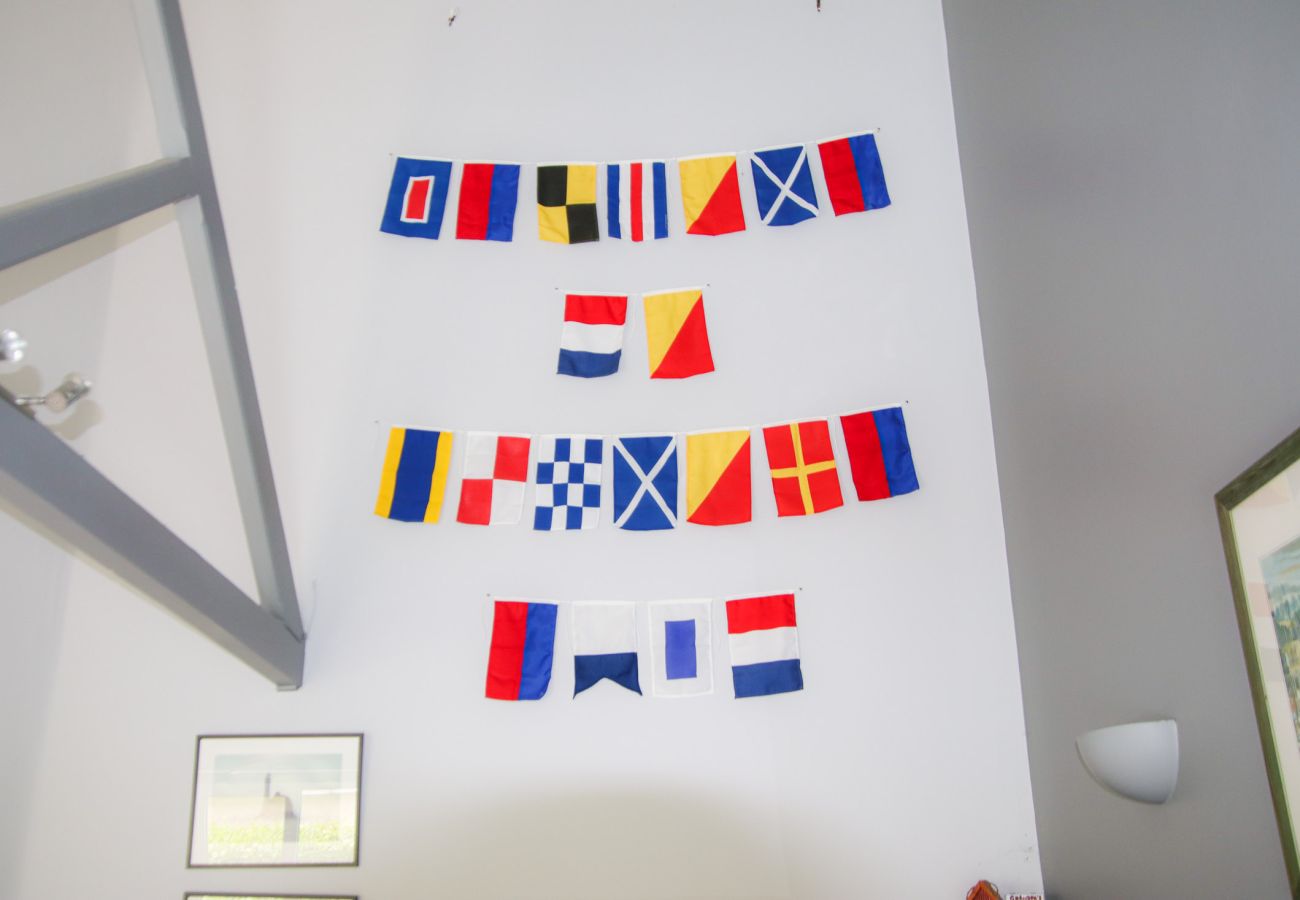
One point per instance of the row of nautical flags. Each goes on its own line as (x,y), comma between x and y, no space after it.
(569,474)
(677,336)
(762,641)
(632,197)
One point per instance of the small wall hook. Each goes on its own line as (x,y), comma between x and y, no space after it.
(73,388)
(455,11)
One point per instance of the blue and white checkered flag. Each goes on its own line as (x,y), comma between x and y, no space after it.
(568,482)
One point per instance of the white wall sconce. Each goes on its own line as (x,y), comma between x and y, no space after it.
(1138,761)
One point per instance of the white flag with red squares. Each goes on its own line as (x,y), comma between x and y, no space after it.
(493,478)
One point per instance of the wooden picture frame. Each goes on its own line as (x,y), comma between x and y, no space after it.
(276,800)
(1259,516)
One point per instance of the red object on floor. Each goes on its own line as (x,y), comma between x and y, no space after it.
(983,891)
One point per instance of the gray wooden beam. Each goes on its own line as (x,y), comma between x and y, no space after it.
(46,223)
(180,130)
(58,492)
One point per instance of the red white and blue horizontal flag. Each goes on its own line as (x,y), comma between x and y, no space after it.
(880,456)
(855,178)
(417,197)
(764,644)
(591,343)
(636,200)
(523,645)
(489,196)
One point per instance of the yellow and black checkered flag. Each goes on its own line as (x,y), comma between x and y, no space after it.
(566,203)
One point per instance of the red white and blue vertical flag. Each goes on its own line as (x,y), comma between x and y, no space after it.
(523,646)
(880,455)
(783,185)
(855,178)
(636,200)
(681,647)
(591,342)
(764,643)
(604,645)
(417,197)
(489,196)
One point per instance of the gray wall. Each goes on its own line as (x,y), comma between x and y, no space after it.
(1131,174)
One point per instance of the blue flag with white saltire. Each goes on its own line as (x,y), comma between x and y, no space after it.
(783,185)
(645,482)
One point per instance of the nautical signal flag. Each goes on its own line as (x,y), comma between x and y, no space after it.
(414,476)
(604,645)
(681,647)
(566,203)
(489,195)
(804,477)
(645,482)
(523,646)
(880,456)
(783,185)
(764,643)
(493,478)
(636,200)
(855,178)
(417,197)
(591,343)
(568,482)
(711,194)
(677,334)
(718,478)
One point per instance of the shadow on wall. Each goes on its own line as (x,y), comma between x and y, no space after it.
(599,843)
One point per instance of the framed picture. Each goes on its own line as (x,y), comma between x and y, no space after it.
(1259,514)
(269,897)
(276,800)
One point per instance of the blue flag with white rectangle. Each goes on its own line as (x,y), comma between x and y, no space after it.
(645,482)
(783,185)
(681,647)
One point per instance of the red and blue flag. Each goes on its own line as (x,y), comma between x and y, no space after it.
(523,646)
(855,178)
(489,195)
(880,456)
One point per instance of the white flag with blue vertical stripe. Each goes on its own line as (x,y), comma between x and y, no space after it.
(681,648)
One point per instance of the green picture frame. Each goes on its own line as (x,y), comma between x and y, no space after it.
(1259,517)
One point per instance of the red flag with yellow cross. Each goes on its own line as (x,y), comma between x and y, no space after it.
(804,477)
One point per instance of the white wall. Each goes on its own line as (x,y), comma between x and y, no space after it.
(901,771)
(1133,207)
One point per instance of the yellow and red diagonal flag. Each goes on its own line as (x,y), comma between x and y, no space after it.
(676,334)
(804,478)
(718,478)
(711,194)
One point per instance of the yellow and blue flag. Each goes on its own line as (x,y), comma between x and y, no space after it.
(415,475)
